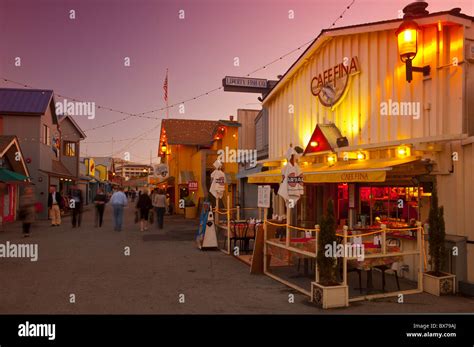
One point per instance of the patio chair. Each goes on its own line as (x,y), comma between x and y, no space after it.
(239,233)
(389,267)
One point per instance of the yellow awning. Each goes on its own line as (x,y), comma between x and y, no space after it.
(270,176)
(374,170)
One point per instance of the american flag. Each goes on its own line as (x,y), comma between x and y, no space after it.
(165,86)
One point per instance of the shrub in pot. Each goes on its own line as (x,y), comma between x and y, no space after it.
(436,281)
(327,292)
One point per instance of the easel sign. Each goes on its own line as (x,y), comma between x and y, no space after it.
(206,236)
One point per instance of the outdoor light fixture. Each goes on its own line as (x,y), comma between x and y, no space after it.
(314,143)
(403,151)
(360,156)
(407,36)
(163,147)
(331,159)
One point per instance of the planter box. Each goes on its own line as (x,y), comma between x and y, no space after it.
(329,296)
(190,212)
(442,285)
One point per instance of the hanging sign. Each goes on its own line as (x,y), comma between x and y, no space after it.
(161,171)
(330,85)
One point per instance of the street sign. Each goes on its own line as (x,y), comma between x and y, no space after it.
(245,84)
(263,196)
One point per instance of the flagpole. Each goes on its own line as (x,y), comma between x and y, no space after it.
(167,89)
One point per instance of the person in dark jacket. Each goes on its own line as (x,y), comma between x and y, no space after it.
(144,206)
(55,204)
(100,200)
(75,203)
(27,210)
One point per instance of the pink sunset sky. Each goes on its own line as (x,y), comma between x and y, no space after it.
(84,57)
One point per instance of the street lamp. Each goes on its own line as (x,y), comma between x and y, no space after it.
(407,37)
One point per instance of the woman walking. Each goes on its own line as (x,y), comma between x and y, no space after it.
(27,210)
(159,203)
(100,200)
(144,206)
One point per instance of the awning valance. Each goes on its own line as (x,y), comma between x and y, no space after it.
(270,176)
(374,170)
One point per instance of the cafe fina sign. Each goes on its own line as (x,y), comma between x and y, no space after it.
(331,85)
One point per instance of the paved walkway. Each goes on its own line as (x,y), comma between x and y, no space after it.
(90,263)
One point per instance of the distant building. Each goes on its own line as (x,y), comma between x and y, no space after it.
(132,170)
(30,115)
(190,147)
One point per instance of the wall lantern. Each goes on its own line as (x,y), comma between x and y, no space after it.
(331,159)
(360,156)
(163,147)
(403,151)
(407,37)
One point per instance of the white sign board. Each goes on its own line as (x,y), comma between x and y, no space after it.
(161,171)
(245,82)
(264,196)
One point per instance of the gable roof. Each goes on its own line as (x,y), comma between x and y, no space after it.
(326,33)
(6,151)
(189,131)
(325,135)
(62,118)
(19,101)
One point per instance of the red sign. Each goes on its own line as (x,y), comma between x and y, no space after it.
(192,186)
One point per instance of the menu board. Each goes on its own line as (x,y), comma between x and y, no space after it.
(264,196)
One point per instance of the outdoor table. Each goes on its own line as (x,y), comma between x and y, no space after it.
(305,244)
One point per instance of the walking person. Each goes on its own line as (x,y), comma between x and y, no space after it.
(55,204)
(76,204)
(159,203)
(100,200)
(144,206)
(118,202)
(27,210)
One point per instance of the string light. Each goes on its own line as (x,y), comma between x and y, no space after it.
(143,114)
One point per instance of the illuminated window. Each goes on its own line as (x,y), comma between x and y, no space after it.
(46,135)
(69,149)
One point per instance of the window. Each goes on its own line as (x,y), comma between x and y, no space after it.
(69,149)
(46,135)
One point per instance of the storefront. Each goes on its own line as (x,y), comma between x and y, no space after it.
(378,131)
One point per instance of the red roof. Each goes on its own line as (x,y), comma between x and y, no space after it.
(189,131)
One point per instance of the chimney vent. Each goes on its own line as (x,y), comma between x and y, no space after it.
(416,9)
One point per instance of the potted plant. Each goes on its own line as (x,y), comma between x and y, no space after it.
(437,282)
(327,292)
(190,208)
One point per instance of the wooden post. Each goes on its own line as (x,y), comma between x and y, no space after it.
(228,223)
(265,265)
(288,221)
(384,238)
(419,243)
(344,259)
(216,214)
(316,261)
